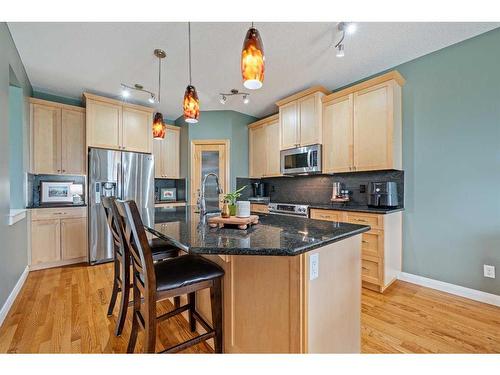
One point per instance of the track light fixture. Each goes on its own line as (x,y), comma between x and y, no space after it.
(245,96)
(343,28)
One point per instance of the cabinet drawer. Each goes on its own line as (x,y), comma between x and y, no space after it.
(375,221)
(328,215)
(58,213)
(370,271)
(372,244)
(262,208)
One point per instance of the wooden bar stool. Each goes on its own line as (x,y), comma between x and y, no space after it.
(170,278)
(121,280)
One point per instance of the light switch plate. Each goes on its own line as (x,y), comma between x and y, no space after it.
(314,266)
(489,271)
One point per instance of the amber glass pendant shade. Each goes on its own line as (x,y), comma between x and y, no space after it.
(158,126)
(191,105)
(252,60)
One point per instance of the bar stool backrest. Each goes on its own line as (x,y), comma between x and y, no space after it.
(137,243)
(113,224)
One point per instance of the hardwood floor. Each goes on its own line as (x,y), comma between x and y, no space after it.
(63,310)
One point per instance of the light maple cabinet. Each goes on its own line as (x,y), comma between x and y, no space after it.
(362,126)
(264,152)
(112,124)
(58,236)
(381,246)
(57,138)
(167,153)
(300,118)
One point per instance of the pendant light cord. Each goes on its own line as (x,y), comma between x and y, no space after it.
(159,79)
(189,37)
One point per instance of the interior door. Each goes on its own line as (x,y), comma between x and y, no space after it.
(209,157)
(46,131)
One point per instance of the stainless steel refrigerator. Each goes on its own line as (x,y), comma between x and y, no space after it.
(125,175)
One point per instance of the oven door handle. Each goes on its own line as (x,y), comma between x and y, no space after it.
(309,158)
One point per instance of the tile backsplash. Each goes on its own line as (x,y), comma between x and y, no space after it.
(35,183)
(317,189)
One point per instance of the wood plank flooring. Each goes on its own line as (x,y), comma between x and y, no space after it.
(63,310)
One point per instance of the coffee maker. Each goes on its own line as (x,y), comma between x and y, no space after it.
(258,189)
(383,194)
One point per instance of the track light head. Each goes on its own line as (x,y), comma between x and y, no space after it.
(223,99)
(246,99)
(340,51)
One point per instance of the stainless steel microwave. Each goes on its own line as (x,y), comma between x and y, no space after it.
(301,160)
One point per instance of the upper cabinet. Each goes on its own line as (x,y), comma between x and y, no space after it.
(264,147)
(112,124)
(167,153)
(300,118)
(57,138)
(362,127)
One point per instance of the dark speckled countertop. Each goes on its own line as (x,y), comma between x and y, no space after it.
(274,235)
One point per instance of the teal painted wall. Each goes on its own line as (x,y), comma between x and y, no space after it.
(57,98)
(451,158)
(230,125)
(16,147)
(14,248)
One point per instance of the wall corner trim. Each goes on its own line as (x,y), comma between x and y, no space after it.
(457,290)
(13,294)
(15,215)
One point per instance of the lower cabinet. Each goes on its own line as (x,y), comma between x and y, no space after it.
(381,247)
(58,237)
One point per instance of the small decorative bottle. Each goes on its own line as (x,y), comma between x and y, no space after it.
(225,213)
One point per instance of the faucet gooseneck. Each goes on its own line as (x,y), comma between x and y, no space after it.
(203,203)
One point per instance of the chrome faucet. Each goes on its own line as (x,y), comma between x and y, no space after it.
(203,203)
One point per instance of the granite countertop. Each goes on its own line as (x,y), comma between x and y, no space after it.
(56,205)
(274,235)
(357,208)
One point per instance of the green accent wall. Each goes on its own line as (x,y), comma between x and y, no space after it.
(14,248)
(57,98)
(230,125)
(16,147)
(451,158)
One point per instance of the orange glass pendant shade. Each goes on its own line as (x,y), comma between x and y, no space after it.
(191,105)
(252,60)
(158,126)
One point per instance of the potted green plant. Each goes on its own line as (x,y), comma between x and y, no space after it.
(231,198)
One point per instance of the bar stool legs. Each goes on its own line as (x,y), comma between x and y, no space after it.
(216,302)
(121,284)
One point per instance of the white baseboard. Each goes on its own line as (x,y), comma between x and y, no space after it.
(12,296)
(457,290)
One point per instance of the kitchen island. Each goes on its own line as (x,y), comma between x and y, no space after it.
(291,284)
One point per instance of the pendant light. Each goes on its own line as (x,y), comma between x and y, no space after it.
(252,60)
(191,104)
(158,124)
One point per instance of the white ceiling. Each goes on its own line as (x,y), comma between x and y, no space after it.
(69,58)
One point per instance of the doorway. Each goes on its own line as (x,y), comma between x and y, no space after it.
(209,156)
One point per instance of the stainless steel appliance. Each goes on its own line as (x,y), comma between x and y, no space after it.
(125,175)
(301,160)
(383,194)
(289,209)
(258,189)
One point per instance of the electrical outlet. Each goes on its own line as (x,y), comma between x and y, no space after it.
(489,271)
(314,266)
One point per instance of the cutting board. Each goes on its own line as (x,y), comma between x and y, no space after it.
(241,222)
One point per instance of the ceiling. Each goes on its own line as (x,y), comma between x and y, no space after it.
(70,58)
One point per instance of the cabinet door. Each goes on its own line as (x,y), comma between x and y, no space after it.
(73,142)
(258,148)
(309,120)
(103,124)
(289,125)
(45,241)
(136,130)
(46,139)
(74,238)
(273,149)
(158,147)
(338,135)
(171,150)
(373,128)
